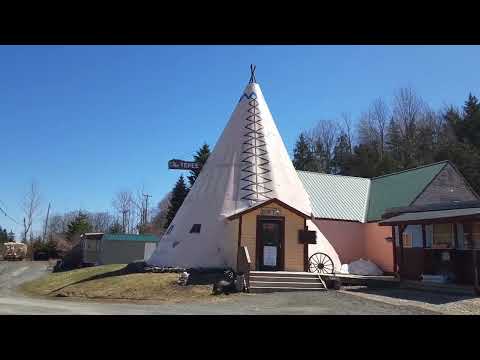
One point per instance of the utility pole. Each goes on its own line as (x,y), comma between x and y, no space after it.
(145,214)
(124,220)
(46,224)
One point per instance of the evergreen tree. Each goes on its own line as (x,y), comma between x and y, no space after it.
(303,158)
(3,235)
(78,225)
(342,156)
(471,121)
(364,161)
(179,193)
(201,158)
(471,107)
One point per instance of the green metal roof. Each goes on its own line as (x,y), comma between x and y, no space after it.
(399,189)
(335,196)
(130,237)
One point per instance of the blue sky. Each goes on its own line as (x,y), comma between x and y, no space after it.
(87,121)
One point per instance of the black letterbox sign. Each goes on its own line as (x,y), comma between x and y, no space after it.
(307,237)
(183,165)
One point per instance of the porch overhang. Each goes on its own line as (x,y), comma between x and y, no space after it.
(431,217)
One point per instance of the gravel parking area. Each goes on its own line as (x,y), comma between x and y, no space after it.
(12,274)
(442,303)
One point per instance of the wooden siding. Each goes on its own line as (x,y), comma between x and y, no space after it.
(293,250)
(447,186)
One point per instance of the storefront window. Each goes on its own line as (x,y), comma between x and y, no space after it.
(471,235)
(443,237)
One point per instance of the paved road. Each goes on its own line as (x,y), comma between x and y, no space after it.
(13,274)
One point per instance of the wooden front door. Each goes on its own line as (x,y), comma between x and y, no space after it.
(270,243)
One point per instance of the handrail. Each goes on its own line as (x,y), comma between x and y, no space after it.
(244,265)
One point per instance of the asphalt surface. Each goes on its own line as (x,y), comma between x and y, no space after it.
(12,274)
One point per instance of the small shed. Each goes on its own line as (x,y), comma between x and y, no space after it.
(90,244)
(125,248)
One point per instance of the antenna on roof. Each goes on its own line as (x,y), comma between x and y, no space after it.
(252,74)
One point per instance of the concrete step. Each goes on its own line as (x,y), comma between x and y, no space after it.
(277,281)
(299,279)
(283,274)
(263,284)
(258,290)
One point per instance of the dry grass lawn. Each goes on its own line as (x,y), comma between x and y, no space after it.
(108,282)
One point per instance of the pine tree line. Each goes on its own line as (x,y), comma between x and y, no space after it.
(180,190)
(392,137)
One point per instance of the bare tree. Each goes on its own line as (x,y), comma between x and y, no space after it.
(346,128)
(407,113)
(373,126)
(159,215)
(323,137)
(100,221)
(31,206)
(380,116)
(123,204)
(408,109)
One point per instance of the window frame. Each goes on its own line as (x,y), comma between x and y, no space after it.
(435,232)
(196,228)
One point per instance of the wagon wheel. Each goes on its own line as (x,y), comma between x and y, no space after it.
(320,263)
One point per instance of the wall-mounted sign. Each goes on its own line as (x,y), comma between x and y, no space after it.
(307,237)
(183,165)
(270,211)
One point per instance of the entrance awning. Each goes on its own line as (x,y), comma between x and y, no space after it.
(429,217)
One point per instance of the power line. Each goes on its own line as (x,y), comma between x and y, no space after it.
(8,216)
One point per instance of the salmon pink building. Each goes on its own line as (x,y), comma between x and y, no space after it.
(347,210)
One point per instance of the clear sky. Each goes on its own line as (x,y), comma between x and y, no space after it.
(87,121)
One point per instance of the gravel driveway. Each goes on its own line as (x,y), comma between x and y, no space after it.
(299,303)
(448,304)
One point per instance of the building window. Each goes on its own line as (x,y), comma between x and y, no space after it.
(407,240)
(443,237)
(471,235)
(195,228)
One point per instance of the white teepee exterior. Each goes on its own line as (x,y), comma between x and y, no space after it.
(248,165)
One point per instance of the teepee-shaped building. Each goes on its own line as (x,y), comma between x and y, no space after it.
(247,194)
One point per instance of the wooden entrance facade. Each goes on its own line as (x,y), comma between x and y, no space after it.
(273,234)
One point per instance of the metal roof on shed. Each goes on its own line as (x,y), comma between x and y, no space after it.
(130,237)
(335,196)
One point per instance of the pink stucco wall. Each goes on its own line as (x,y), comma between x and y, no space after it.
(353,240)
(377,249)
(346,237)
